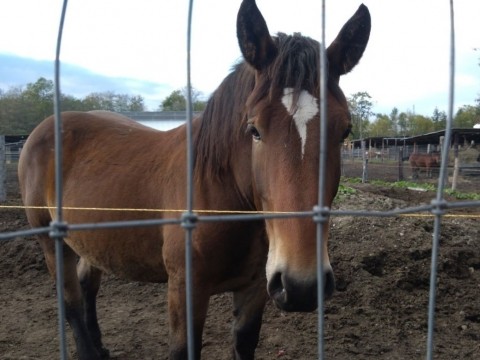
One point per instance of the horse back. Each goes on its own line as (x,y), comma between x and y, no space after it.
(103,153)
(112,167)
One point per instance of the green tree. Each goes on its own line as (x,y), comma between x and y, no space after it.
(386,125)
(382,126)
(136,103)
(361,110)
(402,124)
(174,102)
(23,108)
(198,104)
(99,101)
(419,124)
(439,119)
(39,97)
(111,101)
(11,113)
(394,118)
(467,116)
(69,102)
(124,102)
(177,101)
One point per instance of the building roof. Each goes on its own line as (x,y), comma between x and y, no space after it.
(463,135)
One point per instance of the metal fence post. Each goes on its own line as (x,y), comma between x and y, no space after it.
(400,163)
(3,170)
(364,163)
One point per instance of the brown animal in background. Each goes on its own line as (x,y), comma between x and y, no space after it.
(424,161)
(257,148)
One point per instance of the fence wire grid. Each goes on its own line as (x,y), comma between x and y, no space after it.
(188,219)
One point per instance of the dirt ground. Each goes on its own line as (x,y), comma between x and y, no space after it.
(379,310)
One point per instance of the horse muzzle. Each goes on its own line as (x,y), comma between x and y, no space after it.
(294,295)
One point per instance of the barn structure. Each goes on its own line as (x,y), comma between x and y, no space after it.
(383,151)
(391,152)
(391,147)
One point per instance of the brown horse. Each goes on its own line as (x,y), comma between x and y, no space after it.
(257,148)
(424,161)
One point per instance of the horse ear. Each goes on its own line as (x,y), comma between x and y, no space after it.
(255,42)
(348,47)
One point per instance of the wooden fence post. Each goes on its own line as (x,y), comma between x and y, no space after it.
(400,163)
(365,164)
(441,139)
(456,162)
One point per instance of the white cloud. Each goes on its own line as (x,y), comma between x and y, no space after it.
(405,64)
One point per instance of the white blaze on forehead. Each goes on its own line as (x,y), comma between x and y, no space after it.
(304,111)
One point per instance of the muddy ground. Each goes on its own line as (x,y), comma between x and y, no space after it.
(379,310)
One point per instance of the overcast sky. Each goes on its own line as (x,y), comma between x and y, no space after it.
(140,46)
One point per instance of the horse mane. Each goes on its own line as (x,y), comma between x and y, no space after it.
(223,122)
(295,66)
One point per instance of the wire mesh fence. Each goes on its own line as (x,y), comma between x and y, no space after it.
(387,167)
(467,181)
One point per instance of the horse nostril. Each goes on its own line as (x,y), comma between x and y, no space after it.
(275,284)
(329,284)
(291,294)
(276,290)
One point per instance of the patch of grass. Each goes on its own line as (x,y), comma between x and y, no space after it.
(351,180)
(462,196)
(405,184)
(410,184)
(344,192)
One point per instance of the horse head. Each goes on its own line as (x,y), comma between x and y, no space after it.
(284,122)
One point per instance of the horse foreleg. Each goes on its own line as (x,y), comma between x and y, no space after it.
(249,304)
(74,310)
(178,319)
(90,278)
(415,171)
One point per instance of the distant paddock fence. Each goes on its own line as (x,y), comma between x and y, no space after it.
(391,164)
(382,161)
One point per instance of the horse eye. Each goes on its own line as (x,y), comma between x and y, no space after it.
(254,132)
